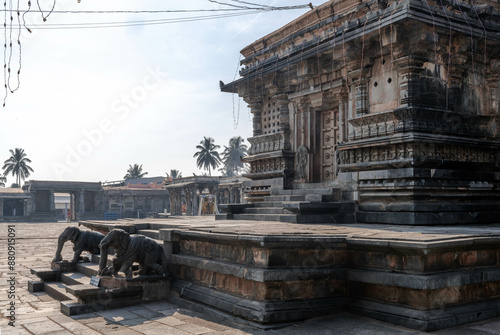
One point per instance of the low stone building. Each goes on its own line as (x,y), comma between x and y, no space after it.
(14,203)
(136,201)
(188,192)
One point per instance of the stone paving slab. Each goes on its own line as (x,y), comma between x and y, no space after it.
(39,314)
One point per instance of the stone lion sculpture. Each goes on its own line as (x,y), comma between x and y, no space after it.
(130,249)
(82,241)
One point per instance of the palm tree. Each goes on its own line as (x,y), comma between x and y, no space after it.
(207,157)
(174,174)
(2,181)
(232,155)
(134,172)
(17,165)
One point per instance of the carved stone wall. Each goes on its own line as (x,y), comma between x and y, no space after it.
(415,87)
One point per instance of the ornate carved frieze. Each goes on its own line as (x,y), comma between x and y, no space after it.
(416,153)
(271,164)
(421,120)
(268,143)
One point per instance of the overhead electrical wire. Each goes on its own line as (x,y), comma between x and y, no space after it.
(234,11)
(237,8)
(116,24)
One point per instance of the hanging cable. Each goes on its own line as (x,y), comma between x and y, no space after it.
(5,52)
(118,24)
(44,17)
(20,50)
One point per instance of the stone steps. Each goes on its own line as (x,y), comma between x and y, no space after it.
(77,296)
(57,290)
(313,204)
(75,278)
(268,204)
(265,210)
(88,268)
(280,198)
(263,217)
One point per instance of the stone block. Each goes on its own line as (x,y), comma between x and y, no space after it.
(35,286)
(45,275)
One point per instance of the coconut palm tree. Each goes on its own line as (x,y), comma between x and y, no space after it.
(232,154)
(17,165)
(134,172)
(207,157)
(174,174)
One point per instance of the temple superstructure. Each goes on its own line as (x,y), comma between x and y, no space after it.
(394,102)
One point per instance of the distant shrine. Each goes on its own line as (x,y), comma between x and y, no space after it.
(396,103)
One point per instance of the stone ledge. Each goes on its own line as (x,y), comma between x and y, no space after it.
(259,274)
(427,320)
(258,311)
(425,282)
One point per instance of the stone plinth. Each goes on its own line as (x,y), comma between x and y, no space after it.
(152,287)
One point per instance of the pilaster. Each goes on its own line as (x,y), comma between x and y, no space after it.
(256,110)
(409,69)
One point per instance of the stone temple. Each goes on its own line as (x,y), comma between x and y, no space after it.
(376,147)
(391,106)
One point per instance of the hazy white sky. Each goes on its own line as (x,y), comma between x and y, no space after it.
(93,101)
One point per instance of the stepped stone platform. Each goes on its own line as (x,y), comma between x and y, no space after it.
(71,285)
(318,205)
(273,273)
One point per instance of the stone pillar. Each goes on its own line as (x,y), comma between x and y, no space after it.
(213,190)
(343,117)
(284,115)
(81,202)
(361,102)
(455,81)
(167,235)
(1,207)
(409,68)
(33,202)
(27,207)
(256,110)
(187,195)
(171,194)
(52,203)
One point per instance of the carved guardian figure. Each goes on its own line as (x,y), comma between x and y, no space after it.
(82,240)
(130,249)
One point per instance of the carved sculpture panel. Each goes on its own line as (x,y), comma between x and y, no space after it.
(302,161)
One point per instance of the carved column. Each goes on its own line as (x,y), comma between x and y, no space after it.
(301,123)
(343,117)
(455,81)
(409,68)
(256,110)
(492,95)
(359,85)
(284,117)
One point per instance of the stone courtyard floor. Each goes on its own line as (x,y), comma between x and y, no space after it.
(39,314)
